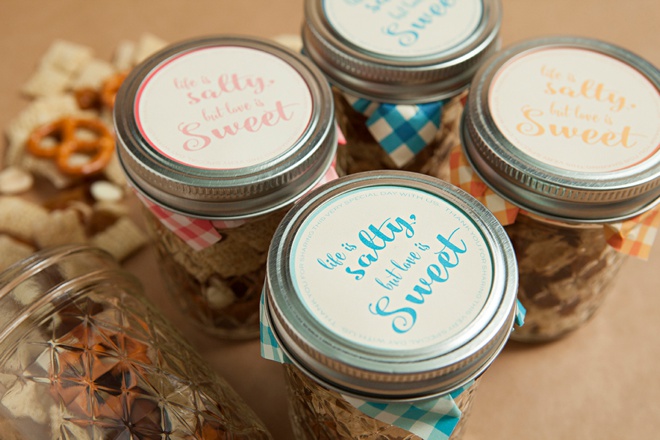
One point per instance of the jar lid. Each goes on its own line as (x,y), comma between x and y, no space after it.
(391,285)
(401,52)
(567,128)
(225,127)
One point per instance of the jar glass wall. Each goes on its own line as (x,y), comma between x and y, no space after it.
(218,287)
(565,273)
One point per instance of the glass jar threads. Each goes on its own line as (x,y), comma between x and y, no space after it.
(219,136)
(566,130)
(85,356)
(387,292)
(398,70)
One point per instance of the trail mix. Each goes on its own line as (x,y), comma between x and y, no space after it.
(61,182)
(221,284)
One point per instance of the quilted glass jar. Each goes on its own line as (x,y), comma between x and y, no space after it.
(566,130)
(84,356)
(388,293)
(219,136)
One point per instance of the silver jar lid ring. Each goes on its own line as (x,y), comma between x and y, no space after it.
(539,112)
(371,52)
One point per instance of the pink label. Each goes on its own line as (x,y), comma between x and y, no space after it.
(577,109)
(223,107)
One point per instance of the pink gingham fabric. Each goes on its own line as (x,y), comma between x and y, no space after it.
(196,233)
(201,233)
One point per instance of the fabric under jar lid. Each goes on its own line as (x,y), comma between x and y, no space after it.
(225,127)
(567,128)
(391,286)
(372,50)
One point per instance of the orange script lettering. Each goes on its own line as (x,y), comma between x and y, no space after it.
(533,127)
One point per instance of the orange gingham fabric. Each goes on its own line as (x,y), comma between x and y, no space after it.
(635,236)
(463,176)
(632,237)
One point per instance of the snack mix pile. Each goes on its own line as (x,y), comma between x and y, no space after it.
(62,144)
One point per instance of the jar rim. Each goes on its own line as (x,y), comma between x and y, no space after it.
(52,275)
(432,77)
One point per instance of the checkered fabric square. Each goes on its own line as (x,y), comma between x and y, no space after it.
(402,130)
(433,419)
(196,233)
(520,313)
(329,176)
(270,349)
(463,176)
(635,236)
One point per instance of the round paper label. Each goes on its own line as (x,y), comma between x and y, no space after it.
(223,107)
(404,28)
(577,109)
(391,267)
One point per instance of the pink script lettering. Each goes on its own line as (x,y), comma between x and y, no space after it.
(251,124)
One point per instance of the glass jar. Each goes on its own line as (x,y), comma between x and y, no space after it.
(399,72)
(387,292)
(219,136)
(565,129)
(86,356)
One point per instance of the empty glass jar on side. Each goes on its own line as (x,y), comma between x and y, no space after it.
(85,356)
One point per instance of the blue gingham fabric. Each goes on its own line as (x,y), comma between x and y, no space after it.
(402,130)
(433,419)
(520,313)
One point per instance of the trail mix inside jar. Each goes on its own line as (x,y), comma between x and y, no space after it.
(565,272)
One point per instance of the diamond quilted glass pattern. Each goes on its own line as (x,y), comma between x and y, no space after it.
(105,365)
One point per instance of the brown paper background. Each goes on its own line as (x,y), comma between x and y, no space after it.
(599,383)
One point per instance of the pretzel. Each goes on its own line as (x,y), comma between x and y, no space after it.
(110,88)
(63,131)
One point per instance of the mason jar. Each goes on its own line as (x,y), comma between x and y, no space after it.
(566,130)
(84,356)
(387,293)
(399,72)
(219,136)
